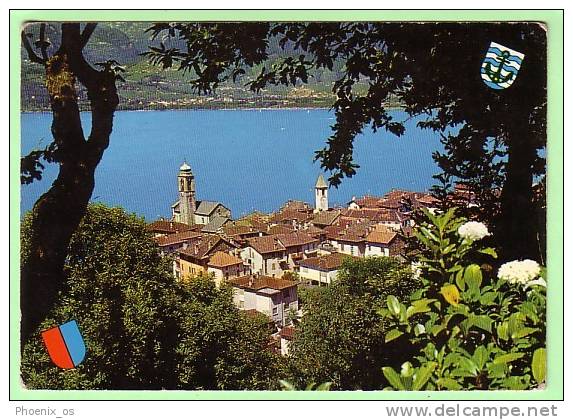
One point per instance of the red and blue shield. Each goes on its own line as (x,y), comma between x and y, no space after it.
(65,345)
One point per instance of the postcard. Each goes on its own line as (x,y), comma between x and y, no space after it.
(288,206)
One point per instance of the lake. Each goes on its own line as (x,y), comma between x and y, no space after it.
(247,159)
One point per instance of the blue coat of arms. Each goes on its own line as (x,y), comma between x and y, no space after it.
(500,66)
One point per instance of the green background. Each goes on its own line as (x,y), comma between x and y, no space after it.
(553,19)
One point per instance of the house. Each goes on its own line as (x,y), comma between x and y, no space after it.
(296,205)
(286,335)
(326,218)
(265,255)
(277,229)
(350,239)
(224,266)
(215,224)
(272,296)
(322,270)
(175,241)
(381,242)
(207,210)
(241,233)
(293,218)
(194,259)
(298,245)
(166,227)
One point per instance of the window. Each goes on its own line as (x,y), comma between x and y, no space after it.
(275,310)
(273,267)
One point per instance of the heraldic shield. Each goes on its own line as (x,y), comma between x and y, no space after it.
(500,66)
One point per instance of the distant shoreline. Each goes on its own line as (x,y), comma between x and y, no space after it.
(290,108)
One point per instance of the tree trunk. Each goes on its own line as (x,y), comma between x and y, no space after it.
(57,213)
(516,228)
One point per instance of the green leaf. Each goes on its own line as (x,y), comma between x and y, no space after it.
(287,386)
(489,251)
(473,276)
(436,329)
(418,306)
(393,305)
(460,280)
(324,386)
(503,331)
(487,298)
(480,357)
(423,375)
(539,365)
(392,335)
(393,378)
(468,365)
(481,321)
(508,358)
(523,332)
(529,310)
(449,383)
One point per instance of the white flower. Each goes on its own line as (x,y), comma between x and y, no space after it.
(473,231)
(519,271)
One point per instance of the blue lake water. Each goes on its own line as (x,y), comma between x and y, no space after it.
(247,159)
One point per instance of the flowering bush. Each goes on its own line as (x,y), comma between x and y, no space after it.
(472,329)
(519,271)
(473,231)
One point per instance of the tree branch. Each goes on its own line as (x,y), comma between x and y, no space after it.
(87,33)
(43,43)
(34,58)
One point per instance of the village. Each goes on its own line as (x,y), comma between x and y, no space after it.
(265,258)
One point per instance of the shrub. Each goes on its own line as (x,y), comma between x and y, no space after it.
(473,327)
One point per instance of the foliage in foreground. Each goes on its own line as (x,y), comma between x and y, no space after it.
(340,338)
(142,329)
(472,329)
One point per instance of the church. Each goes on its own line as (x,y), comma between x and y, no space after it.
(188,210)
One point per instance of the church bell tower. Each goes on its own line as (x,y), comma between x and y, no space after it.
(320,195)
(186,182)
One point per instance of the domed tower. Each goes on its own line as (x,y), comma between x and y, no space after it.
(320,195)
(187,204)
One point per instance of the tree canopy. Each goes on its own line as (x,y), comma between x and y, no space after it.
(142,329)
(340,338)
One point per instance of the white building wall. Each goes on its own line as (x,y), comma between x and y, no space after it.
(312,274)
(284,346)
(253,258)
(376,250)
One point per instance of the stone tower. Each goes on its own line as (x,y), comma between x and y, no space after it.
(186,182)
(320,195)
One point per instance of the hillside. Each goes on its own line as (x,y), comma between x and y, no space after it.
(149,87)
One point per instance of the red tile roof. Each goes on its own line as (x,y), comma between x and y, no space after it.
(290,215)
(202,248)
(178,238)
(166,226)
(326,218)
(381,236)
(287,332)
(276,229)
(265,244)
(296,239)
(256,282)
(222,259)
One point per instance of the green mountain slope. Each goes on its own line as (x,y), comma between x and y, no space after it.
(149,87)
